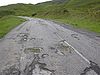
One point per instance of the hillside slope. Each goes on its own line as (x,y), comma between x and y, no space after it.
(79,13)
(83,14)
(17,9)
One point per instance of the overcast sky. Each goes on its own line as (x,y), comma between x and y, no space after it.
(6,2)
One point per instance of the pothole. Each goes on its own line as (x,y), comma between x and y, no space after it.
(34,68)
(75,36)
(23,37)
(52,48)
(37,68)
(34,50)
(44,55)
(62,48)
(41,70)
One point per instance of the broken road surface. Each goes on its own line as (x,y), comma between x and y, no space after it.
(37,47)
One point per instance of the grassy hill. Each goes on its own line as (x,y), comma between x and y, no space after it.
(86,3)
(83,14)
(17,9)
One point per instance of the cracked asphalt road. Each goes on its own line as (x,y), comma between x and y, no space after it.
(33,48)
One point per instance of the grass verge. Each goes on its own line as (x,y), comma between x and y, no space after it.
(81,22)
(86,24)
(7,23)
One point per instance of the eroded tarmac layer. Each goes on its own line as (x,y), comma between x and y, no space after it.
(33,48)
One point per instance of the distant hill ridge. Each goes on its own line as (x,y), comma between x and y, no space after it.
(60,1)
(54,7)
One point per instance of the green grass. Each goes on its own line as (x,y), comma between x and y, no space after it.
(83,14)
(7,23)
(81,23)
(77,18)
(18,9)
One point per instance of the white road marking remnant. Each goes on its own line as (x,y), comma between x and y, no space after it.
(73,48)
(78,52)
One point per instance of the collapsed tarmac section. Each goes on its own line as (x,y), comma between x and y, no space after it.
(35,68)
